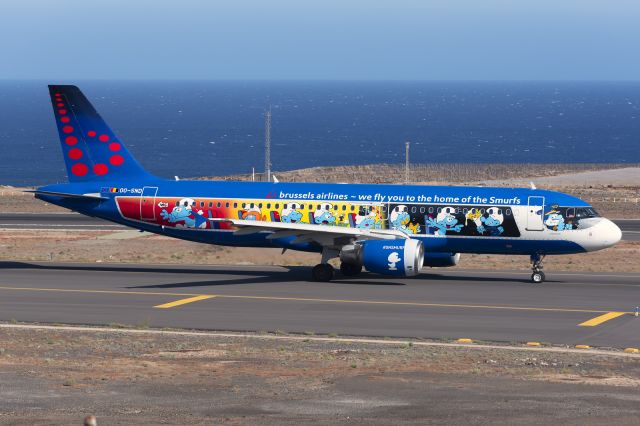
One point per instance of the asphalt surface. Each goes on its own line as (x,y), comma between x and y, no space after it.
(70,221)
(482,305)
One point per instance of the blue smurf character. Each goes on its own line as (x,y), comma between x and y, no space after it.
(555,221)
(323,215)
(399,218)
(445,221)
(290,213)
(491,222)
(367,222)
(183,212)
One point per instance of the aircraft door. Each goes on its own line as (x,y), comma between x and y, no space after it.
(147,203)
(535,213)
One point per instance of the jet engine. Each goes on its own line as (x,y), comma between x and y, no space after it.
(387,257)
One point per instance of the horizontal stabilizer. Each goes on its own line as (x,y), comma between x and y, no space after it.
(90,196)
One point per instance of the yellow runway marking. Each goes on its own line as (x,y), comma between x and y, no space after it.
(313,300)
(602,318)
(183,301)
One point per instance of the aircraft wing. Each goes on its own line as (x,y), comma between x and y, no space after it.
(324,235)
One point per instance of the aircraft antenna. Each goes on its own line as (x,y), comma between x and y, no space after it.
(406,161)
(267,145)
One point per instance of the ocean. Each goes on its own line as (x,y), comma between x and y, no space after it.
(198,128)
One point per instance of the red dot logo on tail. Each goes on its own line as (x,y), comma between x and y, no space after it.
(116,160)
(71,140)
(79,169)
(75,154)
(100,169)
(103,138)
(67,129)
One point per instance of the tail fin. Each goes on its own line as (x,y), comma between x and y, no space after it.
(92,152)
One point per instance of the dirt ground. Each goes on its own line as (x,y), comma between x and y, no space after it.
(58,377)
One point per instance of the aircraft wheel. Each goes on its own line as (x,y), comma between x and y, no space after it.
(537,277)
(322,272)
(350,269)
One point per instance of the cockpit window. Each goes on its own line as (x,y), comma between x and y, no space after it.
(586,212)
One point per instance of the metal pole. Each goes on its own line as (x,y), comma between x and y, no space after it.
(406,162)
(267,144)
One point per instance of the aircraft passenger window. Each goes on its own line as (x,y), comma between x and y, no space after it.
(482,211)
(235,205)
(219,204)
(260,205)
(210,204)
(507,212)
(413,209)
(227,205)
(422,209)
(277,205)
(268,205)
(439,209)
(335,207)
(344,207)
(430,209)
(384,209)
(244,205)
(465,211)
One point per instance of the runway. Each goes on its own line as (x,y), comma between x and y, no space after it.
(495,306)
(73,221)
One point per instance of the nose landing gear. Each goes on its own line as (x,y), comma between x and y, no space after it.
(536,266)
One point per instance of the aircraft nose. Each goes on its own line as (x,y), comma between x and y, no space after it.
(607,233)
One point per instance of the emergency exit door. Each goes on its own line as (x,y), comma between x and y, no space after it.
(535,211)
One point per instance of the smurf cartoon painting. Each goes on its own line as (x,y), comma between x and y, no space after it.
(445,221)
(555,220)
(184,216)
(399,218)
(251,212)
(491,222)
(367,220)
(324,215)
(290,213)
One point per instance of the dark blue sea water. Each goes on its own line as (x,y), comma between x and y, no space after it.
(217,128)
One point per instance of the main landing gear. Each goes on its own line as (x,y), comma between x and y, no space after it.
(324,272)
(536,266)
(350,269)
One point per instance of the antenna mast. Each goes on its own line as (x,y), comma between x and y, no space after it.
(406,161)
(267,144)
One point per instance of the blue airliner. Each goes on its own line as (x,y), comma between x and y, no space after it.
(387,229)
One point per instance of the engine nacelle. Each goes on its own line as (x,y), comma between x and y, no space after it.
(441,260)
(388,257)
